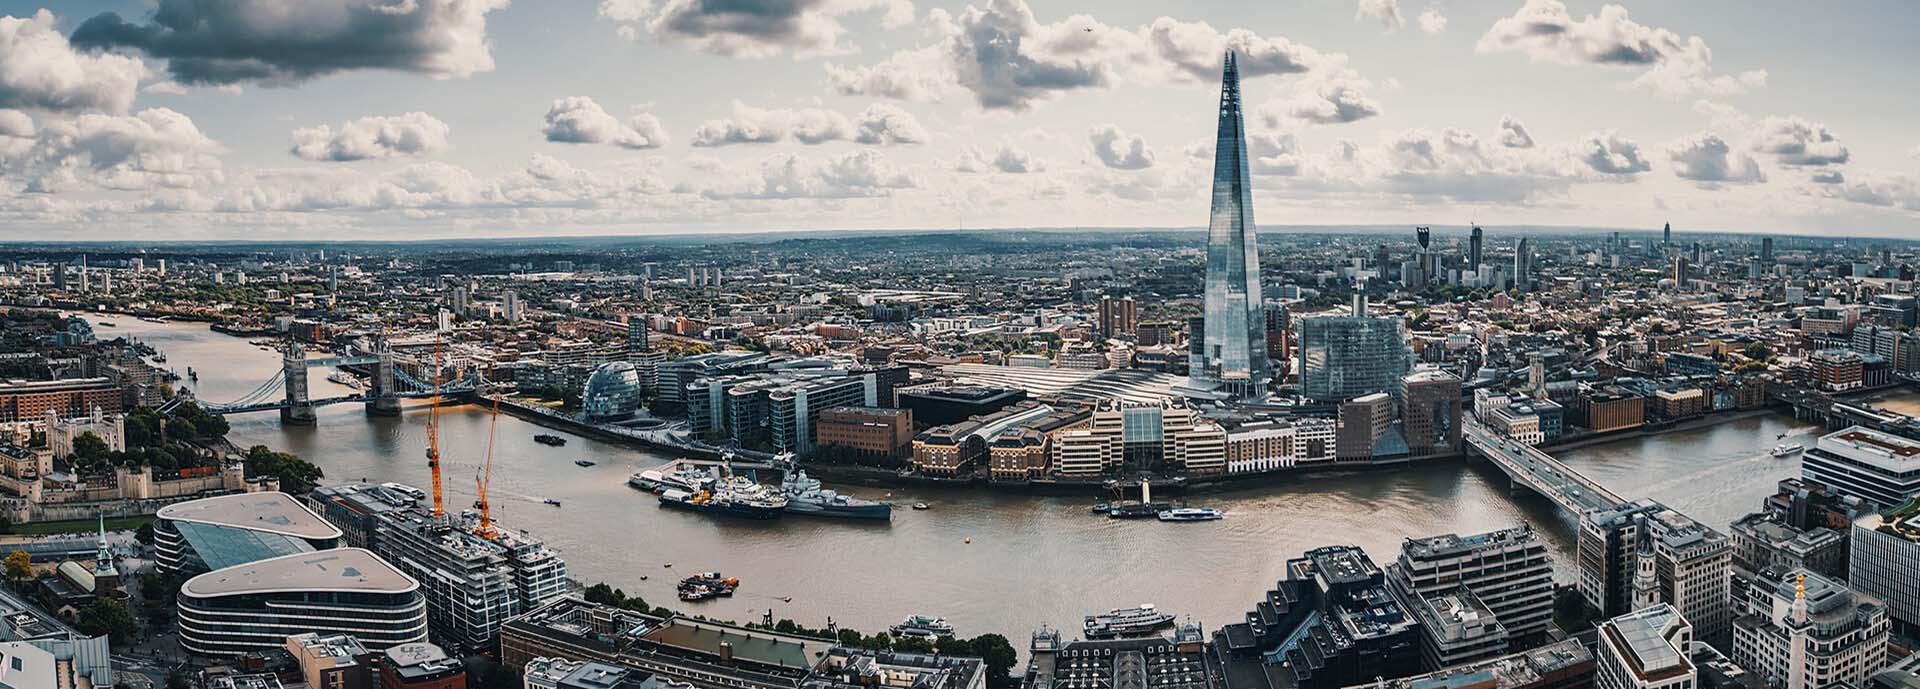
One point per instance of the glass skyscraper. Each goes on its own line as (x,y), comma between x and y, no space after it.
(1234,351)
(1342,357)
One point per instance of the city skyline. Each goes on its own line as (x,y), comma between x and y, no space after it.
(472,118)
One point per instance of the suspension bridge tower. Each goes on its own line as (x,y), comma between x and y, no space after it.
(383,399)
(293,370)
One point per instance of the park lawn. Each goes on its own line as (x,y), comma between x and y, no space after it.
(81,526)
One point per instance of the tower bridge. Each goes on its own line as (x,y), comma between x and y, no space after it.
(288,392)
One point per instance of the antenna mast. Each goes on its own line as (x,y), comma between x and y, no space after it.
(486,530)
(433,437)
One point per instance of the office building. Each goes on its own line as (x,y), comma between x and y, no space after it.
(1343,357)
(1645,649)
(1509,570)
(560,673)
(707,655)
(1881,467)
(776,411)
(612,393)
(1690,564)
(1475,245)
(1561,665)
(1802,630)
(472,584)
(867,432)
(1455,628)
(256,606)
(1367,428)
(1331,623)
(1884,562)
(1522,265)
(420,666)
(1118,317)
(1605,408)
(1233,350)
(1838,370)
(942,405)
(1154,662)
(68,398)
(336,661)
(676,375)
(1430,412)
(228,530)
(1764,540)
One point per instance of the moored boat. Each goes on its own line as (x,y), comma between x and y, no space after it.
(806,497)
(706,585)
(735,497)
(549,439)
(1123,622)
(1190,514)
(922,627)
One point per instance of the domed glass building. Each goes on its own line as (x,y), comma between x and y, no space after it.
(612,392)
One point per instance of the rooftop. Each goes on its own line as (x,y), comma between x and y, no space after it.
(276,513)
(766,648)
(1881,449)
(342,569)
(1454,544)
(1642,639)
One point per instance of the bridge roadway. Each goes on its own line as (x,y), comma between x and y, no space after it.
(1537,470)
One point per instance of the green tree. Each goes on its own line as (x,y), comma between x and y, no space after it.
(297,476)
(998,655)
(109,617)
(19,566)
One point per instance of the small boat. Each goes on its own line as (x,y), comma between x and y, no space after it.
(922,627)
(1190,514)
(706,585)
(1785,450)
(583,462)
(1123,622)
(551,501)
(550,440)
(922,506)
(107,324)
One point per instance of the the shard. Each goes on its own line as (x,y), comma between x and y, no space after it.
(1234,349)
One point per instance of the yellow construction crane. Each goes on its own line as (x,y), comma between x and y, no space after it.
(486,530)
(433,437)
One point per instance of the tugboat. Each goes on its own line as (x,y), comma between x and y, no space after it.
(1785,450)
(1123,622)
(706,585)
(1190,514)
(733,497)
(549,440)
(922,627)
(805,496)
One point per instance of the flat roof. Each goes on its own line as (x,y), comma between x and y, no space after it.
(340,569)
(767,648)
(272,512)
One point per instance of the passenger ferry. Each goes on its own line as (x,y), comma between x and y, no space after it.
(1190,514)
(1122,622)
(922,626)
(1785,450)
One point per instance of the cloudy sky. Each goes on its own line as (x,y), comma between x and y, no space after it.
(372,119)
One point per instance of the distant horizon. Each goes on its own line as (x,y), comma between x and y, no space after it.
(764,236)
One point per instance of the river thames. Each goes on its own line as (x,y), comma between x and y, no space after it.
(1030,560)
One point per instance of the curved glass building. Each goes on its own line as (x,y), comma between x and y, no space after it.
(256,606)
(223,531)
(612,392)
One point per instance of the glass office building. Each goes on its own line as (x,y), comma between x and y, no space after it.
(1233,350)
(228,530)
(256,606)
(1343,357)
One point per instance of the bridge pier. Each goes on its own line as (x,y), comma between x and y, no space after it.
(382,399)
(293,368)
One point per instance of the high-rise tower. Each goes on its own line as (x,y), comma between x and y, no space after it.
(1234,353)
(1473,250)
